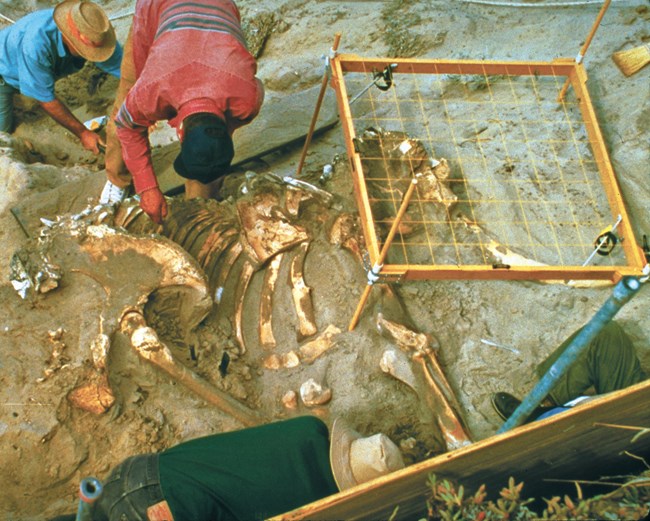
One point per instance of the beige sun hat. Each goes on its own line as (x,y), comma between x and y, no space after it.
(355,459)
(87,27)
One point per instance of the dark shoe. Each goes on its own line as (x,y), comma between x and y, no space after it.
(505,404)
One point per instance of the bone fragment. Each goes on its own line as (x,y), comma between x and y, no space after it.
(267,339)
(146,343)
(441,399)
(315,348)
(245,278)
(231,257)
(398,366)
(292,200)
(214,243)
(449,422)
(302,295)
(313,394)
(95,397)
(344,233)
(266,231)
(290,400)
(404,337)
(99,349)
(285,360)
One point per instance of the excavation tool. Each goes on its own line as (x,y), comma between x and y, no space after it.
(585,46)
(626,288)
(373,273)
(90,489)
(632,60)
(319,102)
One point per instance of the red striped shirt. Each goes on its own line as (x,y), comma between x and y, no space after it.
(189,57)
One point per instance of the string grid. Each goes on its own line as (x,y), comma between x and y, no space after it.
(509,172)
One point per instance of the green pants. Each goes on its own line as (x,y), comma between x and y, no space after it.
(608,364)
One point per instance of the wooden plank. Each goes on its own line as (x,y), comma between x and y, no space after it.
(487,272)
(571,445)
(633,253)
(559,67)
(356,167)
(282,122)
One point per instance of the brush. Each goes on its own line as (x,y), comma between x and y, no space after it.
(632,60)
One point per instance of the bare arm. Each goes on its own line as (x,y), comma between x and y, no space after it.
(62,115)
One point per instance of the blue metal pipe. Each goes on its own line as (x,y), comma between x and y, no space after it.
(89,491)
(626,288)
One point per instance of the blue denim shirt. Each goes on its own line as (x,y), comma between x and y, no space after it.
(33,57)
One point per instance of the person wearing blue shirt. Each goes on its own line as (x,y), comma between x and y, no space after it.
(47,45)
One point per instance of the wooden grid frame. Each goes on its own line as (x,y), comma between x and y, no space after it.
(596,182)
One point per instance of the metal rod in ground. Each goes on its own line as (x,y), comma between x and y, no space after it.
(585,46)
(626,288)
(374,272)
(319,101)
(90,489)
(7,19)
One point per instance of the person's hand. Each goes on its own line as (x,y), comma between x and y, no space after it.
(91,141)
(153,203)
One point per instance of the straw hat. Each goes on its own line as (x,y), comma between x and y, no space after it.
(356,459)
(87,27)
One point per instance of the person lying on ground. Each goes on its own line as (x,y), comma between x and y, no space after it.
(187,63)
(250,474)
(608,364)
(47,45)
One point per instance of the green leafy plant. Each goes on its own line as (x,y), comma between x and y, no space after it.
(447,501)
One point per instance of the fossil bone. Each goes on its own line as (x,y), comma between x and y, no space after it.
(442,399)
(313,394)
(267,339)
(99,252)
(397,365)
(315,348)
(244,280)
(302,295)
(265,230)
(146,343)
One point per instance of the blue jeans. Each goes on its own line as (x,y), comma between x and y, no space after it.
(6,106)
(130,489)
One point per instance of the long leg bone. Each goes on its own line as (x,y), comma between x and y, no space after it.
(441,399)
(147,344)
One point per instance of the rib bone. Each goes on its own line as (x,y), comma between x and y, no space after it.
(302,295)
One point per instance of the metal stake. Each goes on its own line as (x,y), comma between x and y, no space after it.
(623,292)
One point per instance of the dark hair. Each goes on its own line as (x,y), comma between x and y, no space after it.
(206,150)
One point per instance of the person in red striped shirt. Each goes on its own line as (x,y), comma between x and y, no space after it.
(187,63)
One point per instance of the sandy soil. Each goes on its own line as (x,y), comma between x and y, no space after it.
(50,444)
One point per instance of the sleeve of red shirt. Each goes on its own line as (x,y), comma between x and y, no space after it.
(136,151)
